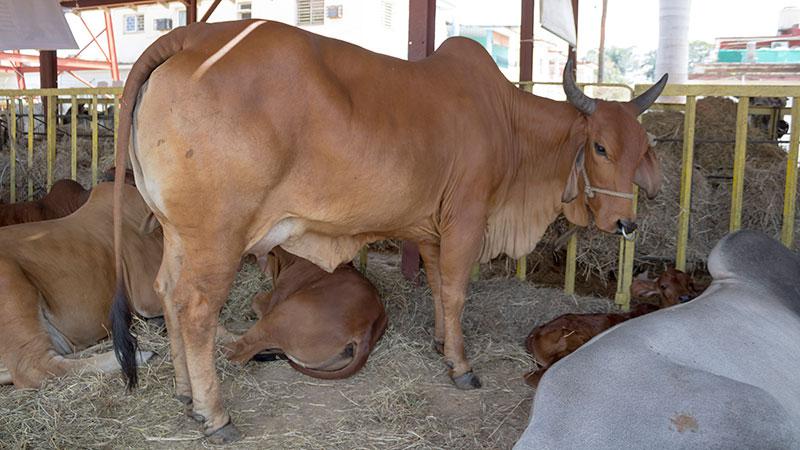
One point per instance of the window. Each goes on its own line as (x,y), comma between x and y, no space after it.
(387,14)
(182,18)
(162,24)
(134,23)
(310,12)
(244,10)
(334,12)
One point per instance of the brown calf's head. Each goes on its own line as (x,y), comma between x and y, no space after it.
(612,153)
(673,286)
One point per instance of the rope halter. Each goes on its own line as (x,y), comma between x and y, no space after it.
(590,190)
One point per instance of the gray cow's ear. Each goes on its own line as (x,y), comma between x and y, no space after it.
(571,188)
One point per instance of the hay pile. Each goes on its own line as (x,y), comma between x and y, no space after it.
(61,165)
(401,399)
(711,193)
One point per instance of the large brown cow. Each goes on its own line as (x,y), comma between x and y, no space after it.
(250,134)
(325,323)
(56,280)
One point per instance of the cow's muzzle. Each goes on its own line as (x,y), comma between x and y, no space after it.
(626,228)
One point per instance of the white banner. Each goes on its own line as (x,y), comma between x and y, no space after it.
(34,25)
(557,18)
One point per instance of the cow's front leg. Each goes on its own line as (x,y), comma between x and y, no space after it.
(460,247)
(430,258)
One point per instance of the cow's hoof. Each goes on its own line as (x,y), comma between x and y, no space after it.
(188,408)
(438,346)
(225,435)
(467,381)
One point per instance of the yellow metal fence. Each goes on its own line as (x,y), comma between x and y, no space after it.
(11,100)
(14,102)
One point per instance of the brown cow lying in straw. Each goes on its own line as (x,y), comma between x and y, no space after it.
(558,338)
(325,323)
(64,198)
(57,281)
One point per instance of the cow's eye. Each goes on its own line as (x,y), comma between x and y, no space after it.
(600,150)
(663,286)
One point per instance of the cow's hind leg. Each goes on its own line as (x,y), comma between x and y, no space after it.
(205,275)
(164,285)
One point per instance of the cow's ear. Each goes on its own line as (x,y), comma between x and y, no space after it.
(644,288)
(571,188)
(149,224)
(648,174)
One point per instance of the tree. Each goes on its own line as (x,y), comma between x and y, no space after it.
(698,52)
(602,52)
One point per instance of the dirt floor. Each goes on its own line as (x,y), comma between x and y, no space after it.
(401,399)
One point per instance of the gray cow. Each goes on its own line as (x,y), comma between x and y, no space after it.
(720,372)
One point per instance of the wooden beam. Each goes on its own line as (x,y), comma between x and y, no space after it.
(421,28)
(210,10)
(191,11)
(526,41)
(421,37)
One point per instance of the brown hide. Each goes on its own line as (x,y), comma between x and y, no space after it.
(61,272)
(563,335)
(672,286)
(64,198)
(325,323)
(327,147)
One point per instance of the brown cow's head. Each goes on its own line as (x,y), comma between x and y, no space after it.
(612,153)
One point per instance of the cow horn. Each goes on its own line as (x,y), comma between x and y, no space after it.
(649,96)
(579,100)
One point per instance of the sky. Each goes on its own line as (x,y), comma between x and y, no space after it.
(634,23)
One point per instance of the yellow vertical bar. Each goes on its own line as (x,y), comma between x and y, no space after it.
(13,149)
(94,140)
(475,273)
(30,148)
(620,258)
(790,193)
(362,254)
(522,268)
(572,255)
(73,167)
(738,163)
(51,137)
(623,298)
(686,182)
(116,127)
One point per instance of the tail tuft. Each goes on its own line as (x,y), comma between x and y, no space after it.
(125,342)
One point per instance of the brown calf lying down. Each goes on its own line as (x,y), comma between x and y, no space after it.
(563,335)
(558,338)
(57,282)
(64,198)
(325,323)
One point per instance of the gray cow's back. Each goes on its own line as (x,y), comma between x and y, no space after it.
(722,371)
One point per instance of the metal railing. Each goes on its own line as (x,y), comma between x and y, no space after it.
(14,103)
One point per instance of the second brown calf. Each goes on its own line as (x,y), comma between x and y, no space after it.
(563,335)
(558,338)
(325,323)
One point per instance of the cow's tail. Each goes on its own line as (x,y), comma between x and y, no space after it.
(155,55)
(360,354)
